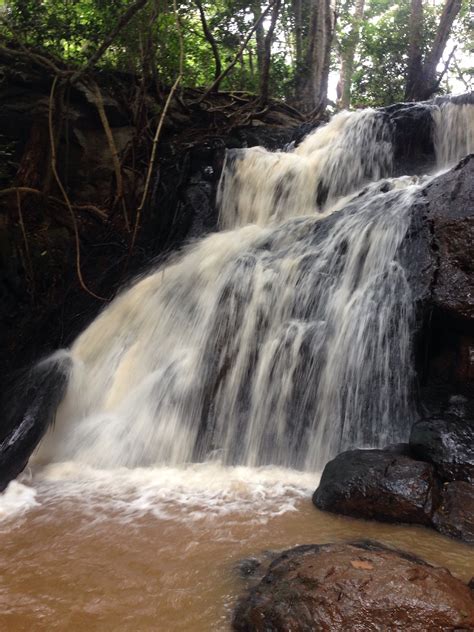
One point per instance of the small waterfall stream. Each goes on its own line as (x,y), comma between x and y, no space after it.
(203,401)
(281,340)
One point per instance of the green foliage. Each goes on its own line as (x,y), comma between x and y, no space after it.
(379,76)
(382,56)
(149,44)
(65,28)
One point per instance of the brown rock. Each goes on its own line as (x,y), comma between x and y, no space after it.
(455,515)
(354,587)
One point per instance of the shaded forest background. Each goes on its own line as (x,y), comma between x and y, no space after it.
(383,51)
(112,111)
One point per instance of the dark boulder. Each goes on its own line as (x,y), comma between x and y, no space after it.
(358,586)
(27,410)
(447,443)
(392,486)
(402,449)
(451,215)
(455,515)
(440,269)
(413,147)
(378,484)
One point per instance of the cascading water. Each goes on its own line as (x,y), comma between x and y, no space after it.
(280,341)
(202,402)
(338,158)
(453,132)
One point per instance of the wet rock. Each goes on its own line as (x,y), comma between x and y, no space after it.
(403,449)
(358,586)
(27,412)
(412,137)
(440,269)
(391,485)
(451,215)
(447,443)
(378,484)
(248,567)
(455,515)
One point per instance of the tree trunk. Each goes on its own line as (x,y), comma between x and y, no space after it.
(210,38)
(415,66)
(422,78)
(265,71)
(450,12)
(312,79)
(259,36)
(297,14)
(348,54)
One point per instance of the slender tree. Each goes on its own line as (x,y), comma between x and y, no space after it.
(211,39)
(422,77)
(415,58)
(259,35)
(265,69)
(347,55)
(316,19)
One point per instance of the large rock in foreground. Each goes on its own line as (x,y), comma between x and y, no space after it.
(378,484)
(358,587)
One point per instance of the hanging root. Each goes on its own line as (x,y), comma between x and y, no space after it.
(119,198)
(65,195)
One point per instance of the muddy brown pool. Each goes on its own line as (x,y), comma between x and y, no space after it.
(161,554)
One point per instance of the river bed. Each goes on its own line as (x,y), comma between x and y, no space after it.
(159,549)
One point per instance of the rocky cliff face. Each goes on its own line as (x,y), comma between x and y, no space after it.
(439,261)
(430,480)
(42,303)
(447,216)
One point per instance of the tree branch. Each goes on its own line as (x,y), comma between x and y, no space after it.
(122,22)
(99,102)
(446,66)
(25,239)
(225,72)
(64,194)
(450,12)
(210,39)
(159,127)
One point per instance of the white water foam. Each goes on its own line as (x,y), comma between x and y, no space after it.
(189,493)
(17,499)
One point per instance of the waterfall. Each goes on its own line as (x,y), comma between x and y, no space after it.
(280,340)
(454,132)
(355,147)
